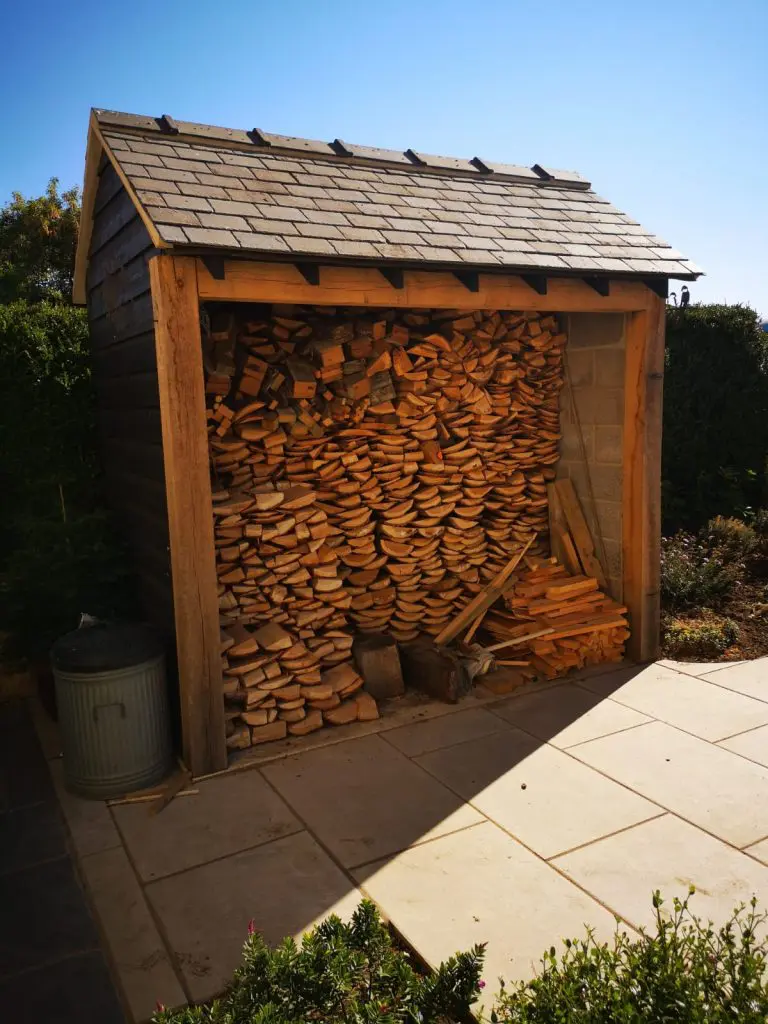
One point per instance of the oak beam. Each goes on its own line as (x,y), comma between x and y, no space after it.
(214,264)
(469,278)
(641,518)
(600,284)
(190,521)
(251,281)
(393,276)
(536,281)
(310,272)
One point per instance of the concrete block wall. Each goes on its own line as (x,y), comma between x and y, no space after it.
(595,359)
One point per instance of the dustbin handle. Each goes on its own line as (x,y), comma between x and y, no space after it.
(114,704)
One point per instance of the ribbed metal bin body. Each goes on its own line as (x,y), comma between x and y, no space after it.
(114,728)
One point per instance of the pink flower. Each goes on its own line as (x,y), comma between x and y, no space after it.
(481,984)
(251,927)
(159,1007)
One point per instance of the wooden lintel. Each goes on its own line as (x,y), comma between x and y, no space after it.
(310,272)
(641,502)
(252,281)
(190,522)
(214,264)
(600,284)
(536,281)
(469,278)
(394,275)
(659,286)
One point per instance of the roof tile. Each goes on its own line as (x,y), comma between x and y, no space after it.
(261,242)
(223,220)
(299,197)
(210,236)
(313,246)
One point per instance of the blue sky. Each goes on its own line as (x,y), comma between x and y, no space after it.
(663,106)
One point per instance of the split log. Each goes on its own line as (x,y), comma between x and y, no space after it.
(372,474)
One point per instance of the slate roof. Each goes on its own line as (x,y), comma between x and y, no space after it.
(264,195)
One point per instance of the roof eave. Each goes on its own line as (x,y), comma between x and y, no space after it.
(508,269)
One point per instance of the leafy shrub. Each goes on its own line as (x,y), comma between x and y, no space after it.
(693,638)
(341,974)
(757,519)
(58,556)
(684,973)
(733,537)
(715,437)
(692,575)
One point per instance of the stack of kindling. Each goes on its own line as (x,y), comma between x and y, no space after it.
(557,622)
(371,473)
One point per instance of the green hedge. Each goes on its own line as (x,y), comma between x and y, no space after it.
(715,414)
(57,552)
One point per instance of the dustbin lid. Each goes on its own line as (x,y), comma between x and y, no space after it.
(104,648)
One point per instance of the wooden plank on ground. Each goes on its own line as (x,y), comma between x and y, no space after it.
(483,601)
(577,525)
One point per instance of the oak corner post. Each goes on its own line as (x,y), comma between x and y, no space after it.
(190,524)
(642,477)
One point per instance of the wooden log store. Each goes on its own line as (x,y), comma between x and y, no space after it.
(347,392)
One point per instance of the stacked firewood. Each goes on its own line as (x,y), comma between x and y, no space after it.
(555,621)
(371,473)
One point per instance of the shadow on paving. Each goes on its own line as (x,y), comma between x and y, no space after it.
(51,964)
(287,842)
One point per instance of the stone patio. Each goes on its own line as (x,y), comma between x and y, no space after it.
(515,821)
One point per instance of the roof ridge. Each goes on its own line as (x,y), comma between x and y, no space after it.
(341,151)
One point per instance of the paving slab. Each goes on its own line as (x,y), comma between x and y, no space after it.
(670,855)
(711,787)
(141,960)
(48,732)
(687,702)
(752,745)
(364,799)
(90,824)
(422,737)
(698,668)
(543,797)
(230,813)
(567,714)
(480,885)
(29,835)
(70,991)
(44,917)
(24,777)
(749,678)
(759,850)
(285,887)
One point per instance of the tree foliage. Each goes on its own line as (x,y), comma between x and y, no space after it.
(37,245)
(715,414)
(58,556)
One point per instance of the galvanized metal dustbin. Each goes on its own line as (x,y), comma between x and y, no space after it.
(113,709)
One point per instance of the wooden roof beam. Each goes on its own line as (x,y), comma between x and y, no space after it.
(469,278)
(658,285)
(599,284)
(310,272)
(536,281)
(394,276)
